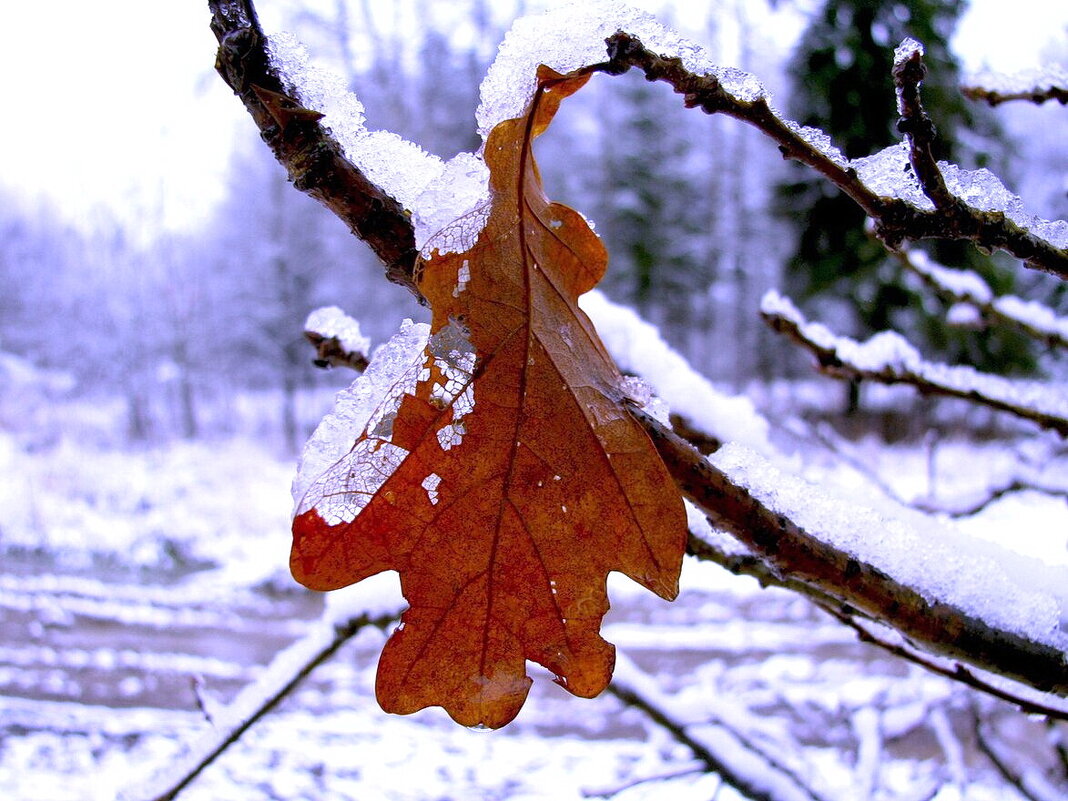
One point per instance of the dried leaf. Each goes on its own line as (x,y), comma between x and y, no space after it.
(505,478)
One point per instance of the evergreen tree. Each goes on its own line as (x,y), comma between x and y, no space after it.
(652,215)
(842,83)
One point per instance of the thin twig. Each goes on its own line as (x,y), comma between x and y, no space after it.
(659,777)
(1025,785)
(635,689)
(914,123)
(895,220)
(255,701)
(951,670)
(834,356)
(1036,86)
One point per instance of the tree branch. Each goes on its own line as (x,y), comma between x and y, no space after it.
(895,219)
(1034,86)
(889,359)
(791,551)
(965,286)
(767,780)
(280,679)
(317,165)
(311,155)
(909,71)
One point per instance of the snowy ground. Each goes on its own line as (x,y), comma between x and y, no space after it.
(130,576)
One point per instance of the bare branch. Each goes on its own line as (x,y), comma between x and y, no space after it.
(889,359)
(1029,785)
(909,70)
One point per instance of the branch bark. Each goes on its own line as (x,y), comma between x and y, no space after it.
(313,158)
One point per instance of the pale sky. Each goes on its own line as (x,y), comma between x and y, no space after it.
(116,103)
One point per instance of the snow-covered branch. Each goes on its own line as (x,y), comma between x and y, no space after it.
(968,287)
(281,677)
(912,575)
(889,359)
(337,339)
(908,72)
(977,207)
(313,157)
(722,748)
(1034,86)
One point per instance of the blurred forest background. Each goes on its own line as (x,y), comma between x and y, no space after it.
(168,324)
(155,389)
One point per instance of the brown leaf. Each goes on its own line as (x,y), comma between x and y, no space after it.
(511,478)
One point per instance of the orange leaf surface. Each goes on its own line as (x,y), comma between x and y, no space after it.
(510,478)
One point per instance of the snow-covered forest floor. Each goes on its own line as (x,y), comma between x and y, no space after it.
(136,580)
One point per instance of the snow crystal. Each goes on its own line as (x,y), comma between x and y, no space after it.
(572,36)
(331,321)
(393,368)
(819,140)
(637,347)
(986,581)
(436,192)
(454,207)
(889,173)
(904,51)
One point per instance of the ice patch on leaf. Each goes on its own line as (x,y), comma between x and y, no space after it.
(430,484)
(454,207)
(369,403)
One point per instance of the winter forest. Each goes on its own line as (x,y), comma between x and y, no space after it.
(262,269)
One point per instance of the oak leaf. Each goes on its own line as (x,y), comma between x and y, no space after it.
(504,478)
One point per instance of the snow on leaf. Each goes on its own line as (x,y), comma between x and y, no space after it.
(511,479)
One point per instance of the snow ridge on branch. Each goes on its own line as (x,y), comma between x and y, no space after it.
(889,359)
(1034,86)
(968,287)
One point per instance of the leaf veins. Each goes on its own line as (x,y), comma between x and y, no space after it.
(510,479)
